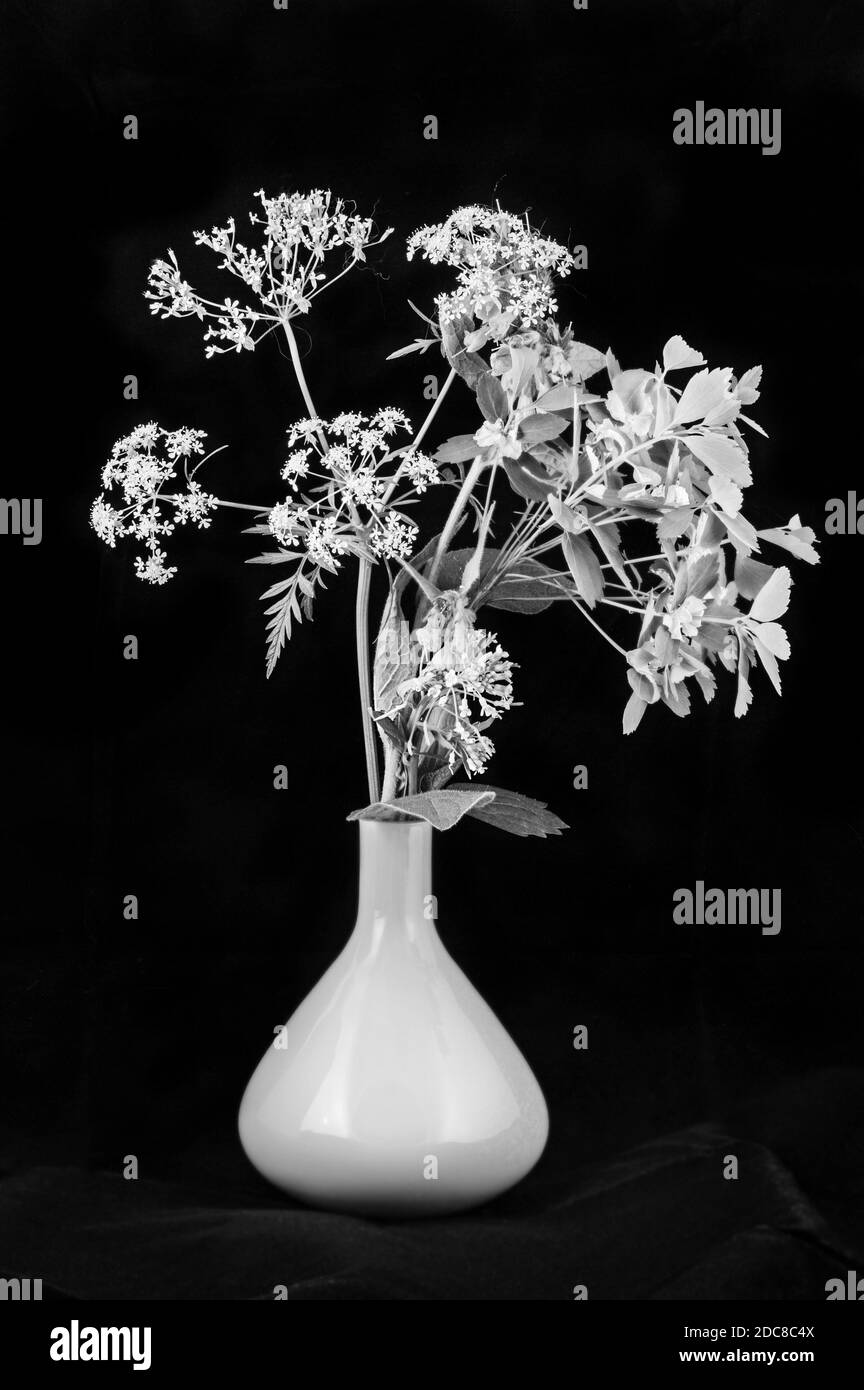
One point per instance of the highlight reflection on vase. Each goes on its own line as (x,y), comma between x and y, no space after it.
(393,1090)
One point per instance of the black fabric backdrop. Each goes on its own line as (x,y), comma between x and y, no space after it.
(154,777)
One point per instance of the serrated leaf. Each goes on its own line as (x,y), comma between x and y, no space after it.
(772,599)
(799,541)
(721,455)
(518,815)
(769,662)
(633,712)
(773,636)
(747,389)
(740,530)
(608,538)
(726,494)
(441,809)
(704,391)
(701,576)
(677,698)
(677,354)
(744,698)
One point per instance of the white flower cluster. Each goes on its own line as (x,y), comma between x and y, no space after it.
(458,667)
(504,269)
(421,469)
(140,464)
(314,222)
(285,273)
(393,538)
(350,450)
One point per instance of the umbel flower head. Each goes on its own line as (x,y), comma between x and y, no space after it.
(350,460)
(139,467)
(504,270)
(284,274)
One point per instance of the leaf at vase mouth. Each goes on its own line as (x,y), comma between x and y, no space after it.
(517,814)
(442,809)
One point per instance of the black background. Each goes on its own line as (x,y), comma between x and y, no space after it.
(155,776)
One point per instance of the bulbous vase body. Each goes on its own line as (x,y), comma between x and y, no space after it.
(393,1090)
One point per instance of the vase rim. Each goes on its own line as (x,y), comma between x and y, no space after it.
(413,824)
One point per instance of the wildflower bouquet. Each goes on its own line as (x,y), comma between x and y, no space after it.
(623,496)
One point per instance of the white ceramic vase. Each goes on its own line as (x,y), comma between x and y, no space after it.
(393,1090)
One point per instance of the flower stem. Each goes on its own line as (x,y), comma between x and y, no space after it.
(361,612)
(361,626)
(455,516)
(301,379)
(391,773)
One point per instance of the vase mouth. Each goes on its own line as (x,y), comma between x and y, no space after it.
(394,826)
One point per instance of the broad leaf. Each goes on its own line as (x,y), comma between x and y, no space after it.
(469,365)
(675,523)
(560,397)
(453,563)
(528,477)
(529,588)
(535,428)
(518,815)
(750,575)
(585,361)
(459,449)
(574,520)
(492,398)
(584,567)
(441,809)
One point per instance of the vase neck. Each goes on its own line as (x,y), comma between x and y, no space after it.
(395,876)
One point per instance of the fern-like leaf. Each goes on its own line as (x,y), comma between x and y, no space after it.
(294,598)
